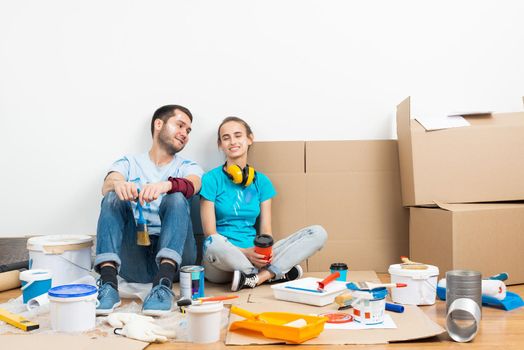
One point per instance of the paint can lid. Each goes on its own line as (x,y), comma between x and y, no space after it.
(338,266)
(72,291)
(59,242)
(397,270)
(35,275)
(206,308)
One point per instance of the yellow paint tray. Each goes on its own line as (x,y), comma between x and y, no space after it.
(273,325)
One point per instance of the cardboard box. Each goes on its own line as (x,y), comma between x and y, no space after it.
(477,163)
(483,237)
(353,191)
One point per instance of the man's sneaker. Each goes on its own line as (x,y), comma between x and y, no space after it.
(108,298)
(294,274)
(159,301)
(242,280)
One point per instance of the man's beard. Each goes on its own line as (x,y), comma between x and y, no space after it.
(165,141)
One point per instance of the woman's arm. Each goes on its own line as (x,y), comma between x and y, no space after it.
(207,216)
(265,217)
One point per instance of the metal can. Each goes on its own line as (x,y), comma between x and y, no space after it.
(192,282)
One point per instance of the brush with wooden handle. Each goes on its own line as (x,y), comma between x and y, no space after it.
(411,265)
(142,236)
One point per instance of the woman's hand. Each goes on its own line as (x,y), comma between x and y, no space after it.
(258,260)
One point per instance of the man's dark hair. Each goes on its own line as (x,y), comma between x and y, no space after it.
(166,112)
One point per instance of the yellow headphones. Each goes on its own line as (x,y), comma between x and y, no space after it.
(241,176)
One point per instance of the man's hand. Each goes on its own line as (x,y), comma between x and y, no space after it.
(258,260)
(151,192)
(126,191)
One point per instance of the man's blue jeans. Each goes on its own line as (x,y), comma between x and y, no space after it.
(116,238)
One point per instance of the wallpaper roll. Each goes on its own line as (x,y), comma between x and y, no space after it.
(9,280)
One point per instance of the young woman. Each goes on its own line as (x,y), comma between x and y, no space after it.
(229,211)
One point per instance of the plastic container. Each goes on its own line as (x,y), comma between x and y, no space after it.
(421,285)
(68,257)
(34,283)
(342,269)
(369,307)
(305,291)
(204,322)
(73,307)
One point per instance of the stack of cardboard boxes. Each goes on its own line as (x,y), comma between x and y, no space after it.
(351,188)
(462,186)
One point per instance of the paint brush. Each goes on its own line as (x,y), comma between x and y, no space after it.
(371,285)
(142,236)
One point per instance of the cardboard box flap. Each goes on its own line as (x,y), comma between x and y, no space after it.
(278,156)
(461,207)
(405,148)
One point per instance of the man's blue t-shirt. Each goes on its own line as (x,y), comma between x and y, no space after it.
(141,170)
(236,207)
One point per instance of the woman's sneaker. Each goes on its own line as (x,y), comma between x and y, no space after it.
(294,274)
(242,280)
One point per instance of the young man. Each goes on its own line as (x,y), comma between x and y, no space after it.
(162,182)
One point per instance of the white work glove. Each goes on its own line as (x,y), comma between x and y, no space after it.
(139,327)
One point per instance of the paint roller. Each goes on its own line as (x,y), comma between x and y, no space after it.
(10,275)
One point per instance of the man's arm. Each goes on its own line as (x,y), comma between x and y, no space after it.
(116,182)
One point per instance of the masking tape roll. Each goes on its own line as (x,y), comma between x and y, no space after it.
(9,280)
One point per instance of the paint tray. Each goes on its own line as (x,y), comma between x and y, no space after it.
(510,302)
(273,325)
(304,291)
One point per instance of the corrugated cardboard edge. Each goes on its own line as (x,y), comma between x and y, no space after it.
(68,342)
(405,150)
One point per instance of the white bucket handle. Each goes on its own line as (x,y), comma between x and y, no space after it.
(75,264)
(25,286)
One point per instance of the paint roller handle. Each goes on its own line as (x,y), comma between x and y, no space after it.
(394,308)
(322,284)
(244,313)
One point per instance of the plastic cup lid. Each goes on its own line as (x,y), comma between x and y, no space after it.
(263,241)
(72,291)
(207,307)
(338,266)
(35,275)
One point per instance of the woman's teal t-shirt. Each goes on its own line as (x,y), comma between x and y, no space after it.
(236,207)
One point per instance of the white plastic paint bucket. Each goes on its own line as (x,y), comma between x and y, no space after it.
(73,307)
(204,322)
(68,257)
(34,283)
(421,286)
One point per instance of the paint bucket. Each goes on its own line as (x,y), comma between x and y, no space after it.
(342,269)
(204,322)
(421,286)
(34,283)
(369,306)
(192,282)
(68,257)
(73,307)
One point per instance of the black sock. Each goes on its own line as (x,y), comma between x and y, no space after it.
(167,272)
(108,275)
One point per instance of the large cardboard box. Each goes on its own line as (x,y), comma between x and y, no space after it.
(353,190)
(283,163)
(478,163)
(484,237)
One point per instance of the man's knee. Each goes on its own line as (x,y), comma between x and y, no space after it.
(175,201)
(111,200)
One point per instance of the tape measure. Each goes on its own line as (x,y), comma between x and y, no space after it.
(17,321)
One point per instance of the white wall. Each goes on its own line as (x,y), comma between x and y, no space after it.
(80,80)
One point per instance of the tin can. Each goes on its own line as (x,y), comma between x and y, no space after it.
(192,282)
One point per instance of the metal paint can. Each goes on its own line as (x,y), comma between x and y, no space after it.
(192,282)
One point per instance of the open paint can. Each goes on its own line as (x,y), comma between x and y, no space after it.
(369,306)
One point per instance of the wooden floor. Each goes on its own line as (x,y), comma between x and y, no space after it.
(499,329)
